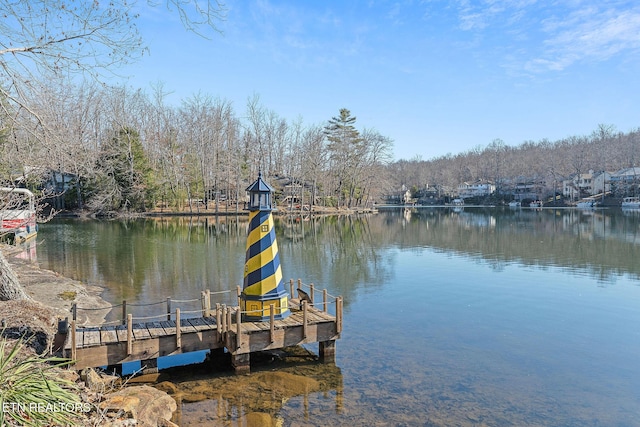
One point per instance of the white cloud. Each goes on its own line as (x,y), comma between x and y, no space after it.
(489,13)
(553,36)
(588,35)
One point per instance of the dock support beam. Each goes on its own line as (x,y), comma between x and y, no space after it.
(240,363)
(327,351)
(150,366)
(115,369)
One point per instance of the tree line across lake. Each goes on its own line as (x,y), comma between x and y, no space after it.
(544,162)
(116,150)
(111,149)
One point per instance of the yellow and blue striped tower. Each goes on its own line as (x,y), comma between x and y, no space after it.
(263,284)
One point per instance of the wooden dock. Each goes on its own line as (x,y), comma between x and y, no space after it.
(218,328)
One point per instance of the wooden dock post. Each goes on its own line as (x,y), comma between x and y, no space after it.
(241,363)
(202,304)
(178,331)
(207,303)
(223,324)
(124,312)
(291,293)
(338,315)
(327,351)
(238,327)
(168,308)
(272,327)
(73,340)
(129,334)
(218,320)
(304,319)
(324,300)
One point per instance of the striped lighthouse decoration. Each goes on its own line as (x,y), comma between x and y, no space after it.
(263,284)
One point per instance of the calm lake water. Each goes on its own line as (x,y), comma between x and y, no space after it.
(473,317)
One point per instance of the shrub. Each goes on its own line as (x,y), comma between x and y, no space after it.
(32,393)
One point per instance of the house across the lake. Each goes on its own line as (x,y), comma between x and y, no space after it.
(479,188)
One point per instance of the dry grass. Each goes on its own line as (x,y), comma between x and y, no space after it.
(29,319)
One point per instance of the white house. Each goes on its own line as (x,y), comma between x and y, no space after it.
(475,189)
(586,184)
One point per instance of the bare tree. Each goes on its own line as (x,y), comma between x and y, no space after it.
(41,39)
(42,42)
(313,159)
(375,180)
(255,138)
(497,148)
(159,129)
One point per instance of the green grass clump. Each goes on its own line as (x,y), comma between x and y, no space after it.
(68,295)
(31,391)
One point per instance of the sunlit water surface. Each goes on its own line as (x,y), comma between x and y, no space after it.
(473,317)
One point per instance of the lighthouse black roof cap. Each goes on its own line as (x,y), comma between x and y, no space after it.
(259,186)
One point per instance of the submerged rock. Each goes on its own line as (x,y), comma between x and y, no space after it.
(287,384)
(258,419)
(148,405)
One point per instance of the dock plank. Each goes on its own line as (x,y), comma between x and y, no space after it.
(108,335)
(326,316)
(140,331)
(250,327)
(211,321)
(186,327)
(155,329)
(79,337)
(199,324)
(314,317)
(91,337)
(292,320)
(195,323)
(262,325)
(169,327)
(121,331)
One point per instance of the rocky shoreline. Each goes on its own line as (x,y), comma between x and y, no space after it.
(53,290)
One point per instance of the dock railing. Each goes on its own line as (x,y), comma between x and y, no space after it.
(310,297)
(170,304)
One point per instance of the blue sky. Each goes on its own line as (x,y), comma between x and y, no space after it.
(436,77)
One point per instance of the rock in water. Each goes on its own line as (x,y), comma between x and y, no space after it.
(149,406)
